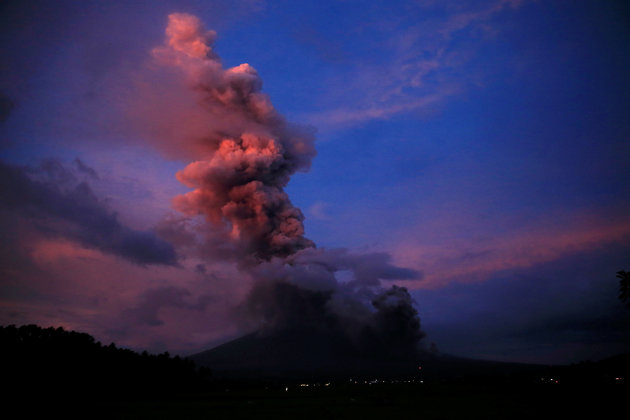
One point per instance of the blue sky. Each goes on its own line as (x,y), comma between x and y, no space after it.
(482,143)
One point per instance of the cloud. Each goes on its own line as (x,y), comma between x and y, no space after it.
(77,66)
(82,167)
(57,204)
(424,62)
(350,116)
(559,311)
(476,258)
(152,300)
(368,269)
(52,282)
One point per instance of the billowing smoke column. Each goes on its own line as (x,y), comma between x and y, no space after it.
(250,156)
(244,161)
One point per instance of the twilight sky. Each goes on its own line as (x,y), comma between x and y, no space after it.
(474,152)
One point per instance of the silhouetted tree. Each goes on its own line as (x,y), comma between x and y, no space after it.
(624,286)
(34,360)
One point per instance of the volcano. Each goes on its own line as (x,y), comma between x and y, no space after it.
(316,355)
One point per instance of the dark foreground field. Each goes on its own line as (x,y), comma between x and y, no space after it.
(445,401)
(52,373)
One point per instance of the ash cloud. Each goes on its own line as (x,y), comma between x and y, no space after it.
(304,291)
(380,322)
(243,154)
(248,153)
(58,203)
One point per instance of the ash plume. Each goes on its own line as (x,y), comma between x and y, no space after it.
(243,160)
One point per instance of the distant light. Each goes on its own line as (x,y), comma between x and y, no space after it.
(419,367)
(286,389)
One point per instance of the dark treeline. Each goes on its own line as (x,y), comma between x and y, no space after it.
(51,372)
(55,363)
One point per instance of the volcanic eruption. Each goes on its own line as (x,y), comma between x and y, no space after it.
(242,160)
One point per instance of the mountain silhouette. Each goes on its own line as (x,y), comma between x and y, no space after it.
(317,354)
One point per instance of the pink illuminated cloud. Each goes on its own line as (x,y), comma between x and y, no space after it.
(474,259)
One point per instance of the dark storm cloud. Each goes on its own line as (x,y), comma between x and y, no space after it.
(56,203)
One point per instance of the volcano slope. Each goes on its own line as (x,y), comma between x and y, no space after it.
(312,354)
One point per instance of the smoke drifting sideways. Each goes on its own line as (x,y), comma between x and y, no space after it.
(244,158)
